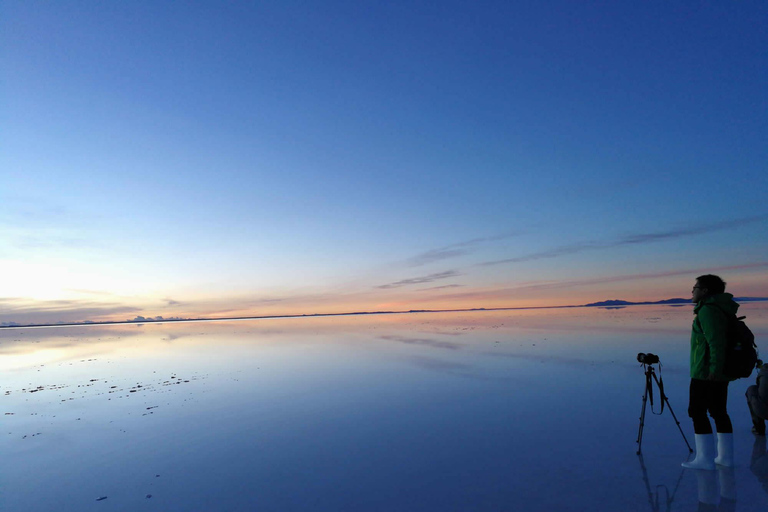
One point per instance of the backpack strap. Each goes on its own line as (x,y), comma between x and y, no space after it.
(728,316)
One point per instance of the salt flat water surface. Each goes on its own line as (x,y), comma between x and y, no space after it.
(521,410)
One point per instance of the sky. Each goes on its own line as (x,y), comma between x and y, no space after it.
(215,159)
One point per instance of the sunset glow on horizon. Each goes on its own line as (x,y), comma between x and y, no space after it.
(204,161)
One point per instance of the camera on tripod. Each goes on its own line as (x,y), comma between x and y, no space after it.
(647,358)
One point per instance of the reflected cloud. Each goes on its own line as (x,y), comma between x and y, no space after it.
(447,333)
(423,341)
(559,359)
(59,344)
(439,364)
(457,369)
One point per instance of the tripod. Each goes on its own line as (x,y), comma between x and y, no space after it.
(650,376)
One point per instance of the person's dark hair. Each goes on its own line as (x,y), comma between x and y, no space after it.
(712,283)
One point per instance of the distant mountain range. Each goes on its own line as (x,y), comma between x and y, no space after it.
(620,303)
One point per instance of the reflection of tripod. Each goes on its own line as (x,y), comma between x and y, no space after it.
(650,376)
(653,499)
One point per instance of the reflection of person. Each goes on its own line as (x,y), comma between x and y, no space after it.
(759,463)
(757,400)
(709,387)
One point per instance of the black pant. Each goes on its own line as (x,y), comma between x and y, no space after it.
(712,396)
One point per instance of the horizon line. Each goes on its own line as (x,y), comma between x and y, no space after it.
(351,313)
(302,315)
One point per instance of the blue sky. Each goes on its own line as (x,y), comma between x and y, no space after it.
(208,159)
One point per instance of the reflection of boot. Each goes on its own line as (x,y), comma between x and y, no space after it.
(759,463)
(707,486)
(758,450)
(705,453)
(727,477)
(724,450)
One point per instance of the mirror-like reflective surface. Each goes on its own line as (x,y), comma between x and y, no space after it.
(509,410)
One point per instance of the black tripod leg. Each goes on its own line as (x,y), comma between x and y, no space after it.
(664,397)
(642,422)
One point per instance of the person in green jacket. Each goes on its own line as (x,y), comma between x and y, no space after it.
(709,387)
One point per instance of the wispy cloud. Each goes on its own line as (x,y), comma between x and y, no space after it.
(34,211)
(453,250)
(90,292)
(636,277)
(575,283)
(40,214)
(634,239)
(49,242)
(434,255)
(25,311)
(421,280)
(444,287)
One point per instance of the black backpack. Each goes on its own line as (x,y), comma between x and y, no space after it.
(741,351)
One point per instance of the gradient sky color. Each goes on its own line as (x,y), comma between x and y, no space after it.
(232,158)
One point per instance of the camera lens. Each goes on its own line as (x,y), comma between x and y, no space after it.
(647,358)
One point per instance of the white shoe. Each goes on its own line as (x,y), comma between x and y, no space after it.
(724,450)
(705,453)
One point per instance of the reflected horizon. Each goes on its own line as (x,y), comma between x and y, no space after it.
(440,411)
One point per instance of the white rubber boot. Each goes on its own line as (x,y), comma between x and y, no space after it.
(724,450)
(705,453)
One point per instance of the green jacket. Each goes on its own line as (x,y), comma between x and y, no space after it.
(708,336)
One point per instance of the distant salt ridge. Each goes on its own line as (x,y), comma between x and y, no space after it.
(617,302)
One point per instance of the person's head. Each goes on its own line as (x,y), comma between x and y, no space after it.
(706,286)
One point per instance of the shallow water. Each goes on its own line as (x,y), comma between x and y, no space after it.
(510,410)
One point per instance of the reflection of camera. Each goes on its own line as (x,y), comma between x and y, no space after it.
(647,358)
